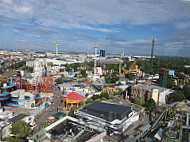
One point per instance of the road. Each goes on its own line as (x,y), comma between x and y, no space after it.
(56,102)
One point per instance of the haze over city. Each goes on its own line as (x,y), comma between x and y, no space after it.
(118,26)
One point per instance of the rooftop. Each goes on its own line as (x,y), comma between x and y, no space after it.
(18,117)
(70,129)
(107,111)
(151,87)
(74,96)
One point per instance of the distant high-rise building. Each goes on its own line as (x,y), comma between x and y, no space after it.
(102,53)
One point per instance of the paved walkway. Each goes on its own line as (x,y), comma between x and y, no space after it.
(56,102)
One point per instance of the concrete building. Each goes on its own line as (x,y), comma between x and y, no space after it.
(157,93)
(69,129)
(110,116)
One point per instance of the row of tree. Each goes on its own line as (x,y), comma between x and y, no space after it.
(180,94)
(150,105)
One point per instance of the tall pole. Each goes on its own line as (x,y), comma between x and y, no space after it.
(95,47)
(120,64)
(56,51)
(152,53)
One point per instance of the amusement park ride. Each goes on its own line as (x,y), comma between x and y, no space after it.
(133,69)
(44,84)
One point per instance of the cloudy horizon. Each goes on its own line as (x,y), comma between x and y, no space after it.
(118,26)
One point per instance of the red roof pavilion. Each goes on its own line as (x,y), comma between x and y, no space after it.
(73,97)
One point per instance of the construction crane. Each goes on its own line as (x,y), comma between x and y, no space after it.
(133,66)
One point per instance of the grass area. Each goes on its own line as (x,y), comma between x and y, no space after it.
(137,106)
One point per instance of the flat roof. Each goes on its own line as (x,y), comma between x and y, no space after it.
(18,117)
(151,87)
(71,129)
(107,111)
(58,115)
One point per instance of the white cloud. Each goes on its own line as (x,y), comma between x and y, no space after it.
(22,9)
(53,19)
(183,25)
(20,40)
(8,1)
(32,35)
(91,15)
(132,42)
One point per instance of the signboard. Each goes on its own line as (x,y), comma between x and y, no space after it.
(171,72)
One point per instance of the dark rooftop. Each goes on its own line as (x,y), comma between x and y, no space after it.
(17,117)
(107,111)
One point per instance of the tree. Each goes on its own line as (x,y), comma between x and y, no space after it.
(187,71)
(104,95)
(29,69)
(83,72)
(59,80)
(97,100)
(114,77)
(103,99)
(89,100)
(82,104)
(71,113)
(180,76)
(107,78)
(20,128)
(86,95)
(187,91)
(94,97)
(129,76)
(150,105)
(170,83)
(178,96)
(139,101)
(12,139)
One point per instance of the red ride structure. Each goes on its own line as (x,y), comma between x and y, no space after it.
(45,84)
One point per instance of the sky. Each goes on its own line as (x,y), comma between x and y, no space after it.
(117,25)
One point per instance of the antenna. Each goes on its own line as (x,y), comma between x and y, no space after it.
(56,50)
(95,47)
(152,53)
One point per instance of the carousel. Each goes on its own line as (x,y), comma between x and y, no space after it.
(72,99)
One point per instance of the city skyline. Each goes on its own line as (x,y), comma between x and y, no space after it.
(118,26)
